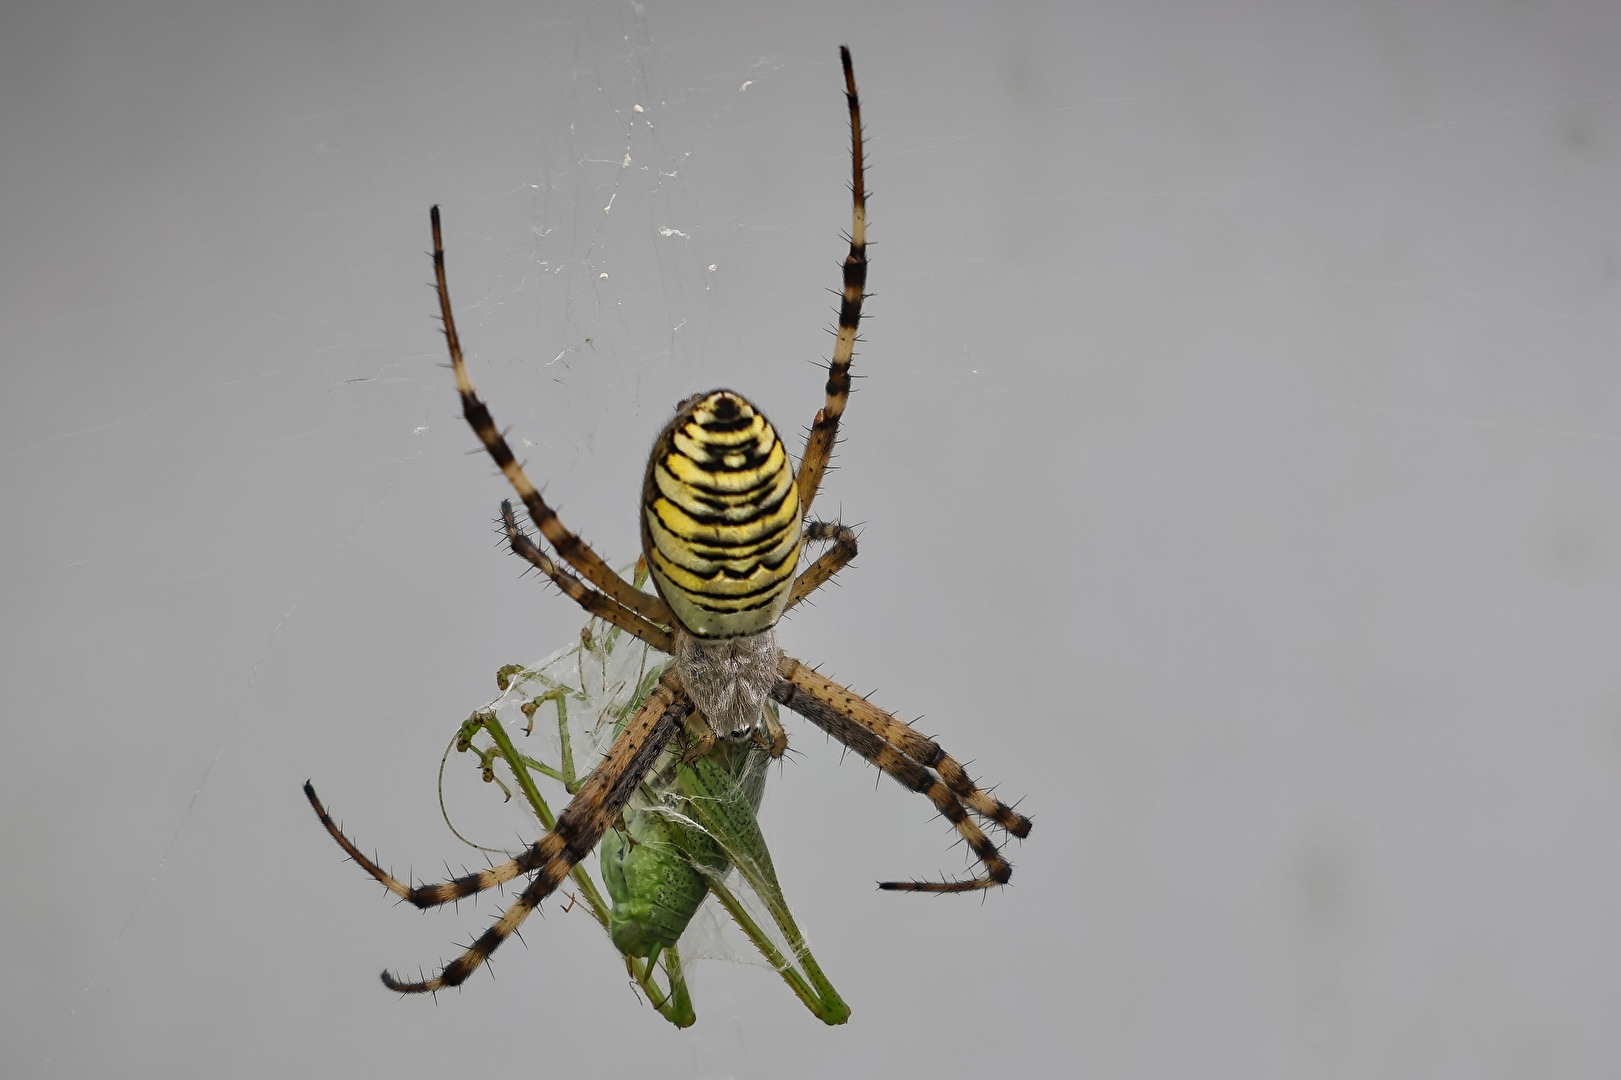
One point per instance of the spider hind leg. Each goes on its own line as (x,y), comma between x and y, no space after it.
(916,762)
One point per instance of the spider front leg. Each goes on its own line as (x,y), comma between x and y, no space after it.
(915,761)
(574,551)
(824,430)
(580,826)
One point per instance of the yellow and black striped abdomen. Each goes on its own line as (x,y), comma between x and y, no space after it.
(720,517)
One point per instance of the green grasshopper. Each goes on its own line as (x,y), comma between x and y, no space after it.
(690,823)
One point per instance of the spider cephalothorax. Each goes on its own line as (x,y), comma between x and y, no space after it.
(724,518)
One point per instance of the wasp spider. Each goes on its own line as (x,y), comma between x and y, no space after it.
(724,518)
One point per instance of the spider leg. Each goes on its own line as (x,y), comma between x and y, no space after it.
(579,827)
(598,604)
(915,761)
(908,740)
(830,562)
(825,429)
(424,896)
(574,551)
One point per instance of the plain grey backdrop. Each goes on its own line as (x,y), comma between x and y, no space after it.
(1239,457)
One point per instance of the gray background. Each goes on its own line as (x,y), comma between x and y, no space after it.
(1238,458)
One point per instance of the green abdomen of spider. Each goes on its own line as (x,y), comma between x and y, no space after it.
(658,869)
(721,520)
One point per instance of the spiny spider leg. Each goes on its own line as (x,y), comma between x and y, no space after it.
(830,562)
(574,551)
(916,762)
(824,430)
(911,775)
(908,740)
(580,826)
(598,604)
